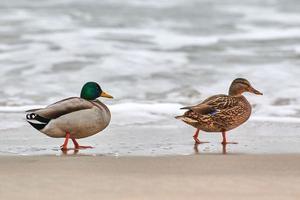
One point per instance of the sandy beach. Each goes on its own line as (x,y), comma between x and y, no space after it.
(174,177)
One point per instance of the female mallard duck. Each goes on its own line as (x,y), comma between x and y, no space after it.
(221,113)
(73,117)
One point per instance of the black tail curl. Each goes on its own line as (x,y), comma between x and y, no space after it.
(37,121)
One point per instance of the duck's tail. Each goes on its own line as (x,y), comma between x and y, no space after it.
(186,119)
(178,117)
(35,120)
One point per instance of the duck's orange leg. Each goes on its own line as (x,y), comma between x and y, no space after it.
(224,139)
(197,141)
(65,144)
(77,146)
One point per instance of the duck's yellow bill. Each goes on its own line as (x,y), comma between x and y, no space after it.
(104,94)
(254,91)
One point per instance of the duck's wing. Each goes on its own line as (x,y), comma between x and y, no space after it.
(201,109)
(60,108)
(221,102)
(213,104)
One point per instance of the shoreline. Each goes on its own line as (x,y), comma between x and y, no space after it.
(154,138)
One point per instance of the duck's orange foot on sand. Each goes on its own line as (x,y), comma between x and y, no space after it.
(77,146)
(229,143)
(83,147)
(224,142)
(197,141)
(64,147)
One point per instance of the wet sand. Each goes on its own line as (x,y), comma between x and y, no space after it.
(166,136)
(173,177)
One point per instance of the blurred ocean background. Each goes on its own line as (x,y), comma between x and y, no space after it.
(152,56)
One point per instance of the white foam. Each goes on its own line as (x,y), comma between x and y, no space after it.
(16,109)
(264,34)
(265,14)
(142,113)
(276,119)
(161,4)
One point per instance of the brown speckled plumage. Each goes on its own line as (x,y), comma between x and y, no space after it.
(221,113)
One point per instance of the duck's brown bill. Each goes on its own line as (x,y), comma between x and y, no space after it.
(104,94)
(255,91)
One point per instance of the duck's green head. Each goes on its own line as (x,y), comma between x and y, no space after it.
(92,90)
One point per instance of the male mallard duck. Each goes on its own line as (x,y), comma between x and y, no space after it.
(73,117)
(221,113)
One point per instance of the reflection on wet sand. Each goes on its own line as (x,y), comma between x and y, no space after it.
(196,149)
(72,151)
